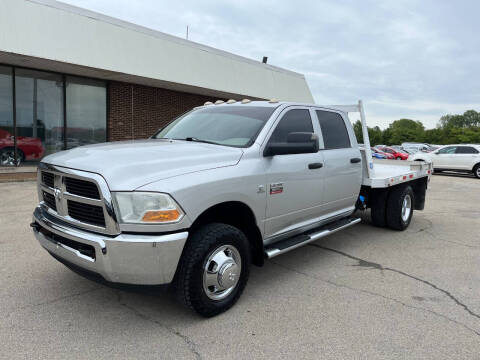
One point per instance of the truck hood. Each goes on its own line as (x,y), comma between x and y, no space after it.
(128,165)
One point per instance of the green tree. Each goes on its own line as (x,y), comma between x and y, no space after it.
(406,130)
(357,128)
(375,135)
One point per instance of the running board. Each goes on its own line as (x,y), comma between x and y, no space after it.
(284,246)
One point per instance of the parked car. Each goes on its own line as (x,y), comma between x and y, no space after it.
(415,147)
(377,154)
(387,155)
(397,155)
(195,207)
(461,157)
(28,148)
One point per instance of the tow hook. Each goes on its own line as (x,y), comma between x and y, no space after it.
(35,226)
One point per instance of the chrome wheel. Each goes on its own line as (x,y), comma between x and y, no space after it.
(7,158)
(406,207)
(478,172)
(222,272)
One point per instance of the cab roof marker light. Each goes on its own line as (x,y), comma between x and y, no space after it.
(218,102)
(246,101)
(231,101)
(208,103)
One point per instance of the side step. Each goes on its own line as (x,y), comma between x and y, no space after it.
(286,245)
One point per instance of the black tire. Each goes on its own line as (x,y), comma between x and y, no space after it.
(189,282)
(476,171)
(395,216)
(7,156)
(378,210)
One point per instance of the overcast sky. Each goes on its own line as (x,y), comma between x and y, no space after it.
(404,58)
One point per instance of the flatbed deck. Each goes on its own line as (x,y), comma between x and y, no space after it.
(393,172)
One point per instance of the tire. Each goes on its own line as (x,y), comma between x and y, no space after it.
(398,158)
(378,210)
(400,205)
(7,157)
(476,171)
(201,257)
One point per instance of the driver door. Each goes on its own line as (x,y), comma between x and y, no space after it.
(294,181)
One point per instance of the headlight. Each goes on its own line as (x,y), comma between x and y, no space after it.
(146,207)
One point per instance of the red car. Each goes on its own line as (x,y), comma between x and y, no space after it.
(381,152)
(398,155)
(28,148)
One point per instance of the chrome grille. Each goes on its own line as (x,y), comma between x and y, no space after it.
(77,197)
(48,179)
(82,188)
(50,200)
(86,213)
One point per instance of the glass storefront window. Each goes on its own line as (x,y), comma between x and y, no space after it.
(39,114)
(86,111)
(34,122)
(7,149)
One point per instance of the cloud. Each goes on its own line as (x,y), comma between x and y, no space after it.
(415,59)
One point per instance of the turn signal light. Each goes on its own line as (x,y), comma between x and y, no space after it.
(161,216)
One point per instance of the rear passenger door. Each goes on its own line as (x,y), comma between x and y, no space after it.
(342,168)
(465,157)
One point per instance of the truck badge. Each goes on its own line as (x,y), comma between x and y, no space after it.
(57,193)
(276,188)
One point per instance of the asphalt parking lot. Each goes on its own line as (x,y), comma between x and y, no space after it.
(363,293)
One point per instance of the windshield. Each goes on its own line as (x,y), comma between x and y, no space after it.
(231,125)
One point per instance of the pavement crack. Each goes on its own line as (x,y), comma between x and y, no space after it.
(362,262)
(60,298)
(371,293)
(190,344)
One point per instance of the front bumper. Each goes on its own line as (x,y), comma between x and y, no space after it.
(126,258)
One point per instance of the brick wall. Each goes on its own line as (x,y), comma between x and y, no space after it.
(136,111)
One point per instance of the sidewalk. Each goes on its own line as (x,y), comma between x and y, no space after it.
(21,173)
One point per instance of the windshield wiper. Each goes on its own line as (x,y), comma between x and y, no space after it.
(191,138)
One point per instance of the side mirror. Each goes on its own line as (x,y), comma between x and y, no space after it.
(297,143)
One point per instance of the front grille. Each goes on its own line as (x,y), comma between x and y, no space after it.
(77,197)
(90,214)
(50,200)
(47,179)
(82,188)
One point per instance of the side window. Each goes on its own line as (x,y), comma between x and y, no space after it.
(297,120)
(447,150)
(466,150)
(334,131)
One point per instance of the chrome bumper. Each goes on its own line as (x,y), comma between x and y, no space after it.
(126,258)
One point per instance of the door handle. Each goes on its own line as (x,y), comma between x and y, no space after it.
(355,160)
(315,166)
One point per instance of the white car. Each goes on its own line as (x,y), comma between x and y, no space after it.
(412,148)
(461,157)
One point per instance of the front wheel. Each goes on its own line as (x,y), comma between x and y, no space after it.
(398,158)
(400,207)
(214,269)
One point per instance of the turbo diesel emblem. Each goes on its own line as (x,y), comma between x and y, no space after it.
(276,188)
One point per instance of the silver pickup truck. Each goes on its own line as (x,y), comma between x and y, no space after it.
(221,187)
